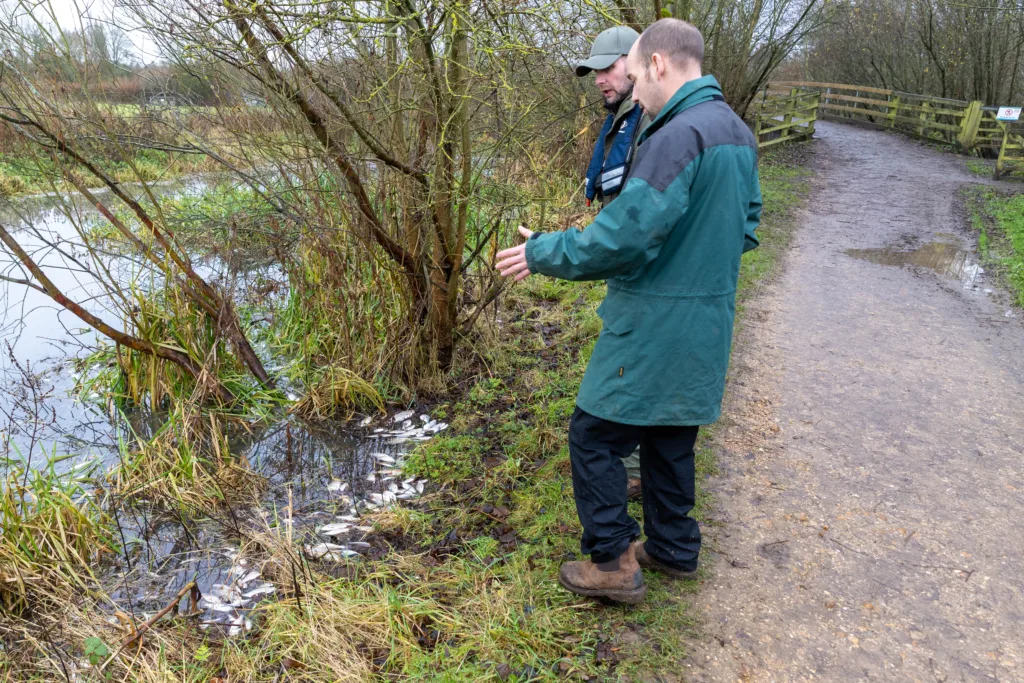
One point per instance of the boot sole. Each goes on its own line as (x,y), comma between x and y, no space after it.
(677,574)
(630,597)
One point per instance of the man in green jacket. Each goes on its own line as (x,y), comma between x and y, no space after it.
(616,146)
(670,248)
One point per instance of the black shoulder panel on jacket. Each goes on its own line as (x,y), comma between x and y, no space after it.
(664,155)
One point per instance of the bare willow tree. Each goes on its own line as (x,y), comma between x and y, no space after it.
(416,113)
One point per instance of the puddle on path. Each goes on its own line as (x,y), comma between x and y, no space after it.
(943,256)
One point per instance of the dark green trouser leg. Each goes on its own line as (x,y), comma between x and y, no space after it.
(632,463)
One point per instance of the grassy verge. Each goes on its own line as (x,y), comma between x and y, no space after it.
(21,176)
(999,222)
(468,590)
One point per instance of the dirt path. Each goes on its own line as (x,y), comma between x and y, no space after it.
(871,490)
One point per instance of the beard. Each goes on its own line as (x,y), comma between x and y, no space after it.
(619,98)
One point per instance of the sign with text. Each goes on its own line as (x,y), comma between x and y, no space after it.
(1008,113)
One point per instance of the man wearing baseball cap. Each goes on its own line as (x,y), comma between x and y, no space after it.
(615,147)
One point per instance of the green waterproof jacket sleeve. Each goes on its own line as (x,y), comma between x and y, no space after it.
(750,240)
(627,234)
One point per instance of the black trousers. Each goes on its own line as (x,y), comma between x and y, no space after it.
(596,450)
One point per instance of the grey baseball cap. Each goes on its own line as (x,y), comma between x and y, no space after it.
(609,45)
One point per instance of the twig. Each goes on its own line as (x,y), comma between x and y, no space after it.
(190,586)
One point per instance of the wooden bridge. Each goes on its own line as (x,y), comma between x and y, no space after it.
(787,111)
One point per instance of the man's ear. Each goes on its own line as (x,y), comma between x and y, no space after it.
(658,62)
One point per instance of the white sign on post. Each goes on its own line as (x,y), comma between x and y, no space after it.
(1008,113)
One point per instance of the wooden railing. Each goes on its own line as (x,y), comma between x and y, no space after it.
(969,125)
(782,118)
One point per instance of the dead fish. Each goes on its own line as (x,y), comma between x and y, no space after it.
(372,476)
(384,458)
(250,577)
(335,529)
(348,518)
(366,421)
(234,631)
(364,529)
(407,424)
(378,430)
(337,485)
(419,486)
(265,589)
(222,608)
(358,544)
(397,440)
(404,415)
(424,418)
(393,487)
(329,550)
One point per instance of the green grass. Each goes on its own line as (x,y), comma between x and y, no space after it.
(27,174)
(54,529)
(999,222)
(980,168)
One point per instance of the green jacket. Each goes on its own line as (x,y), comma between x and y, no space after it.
(669,246)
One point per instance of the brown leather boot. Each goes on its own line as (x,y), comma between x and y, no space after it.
(620,580)
(634,489)
(648,562)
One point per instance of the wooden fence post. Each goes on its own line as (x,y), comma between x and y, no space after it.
(893,109)
(790,109)
(969,126)
(813,116)
(757,122)
(1002,150)
(923,117)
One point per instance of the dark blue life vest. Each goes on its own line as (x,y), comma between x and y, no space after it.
(609,173)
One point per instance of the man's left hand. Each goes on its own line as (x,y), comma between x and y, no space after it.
(513,261)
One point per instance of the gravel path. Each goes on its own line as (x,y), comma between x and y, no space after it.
(869,513)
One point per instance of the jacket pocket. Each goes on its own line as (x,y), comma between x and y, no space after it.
(618,314)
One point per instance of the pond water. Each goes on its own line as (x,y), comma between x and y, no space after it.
(320,478)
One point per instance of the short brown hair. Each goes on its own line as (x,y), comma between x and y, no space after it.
(676,40)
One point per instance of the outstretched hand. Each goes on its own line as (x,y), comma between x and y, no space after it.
(513,261)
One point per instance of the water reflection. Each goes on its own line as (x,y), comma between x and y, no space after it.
(943,257)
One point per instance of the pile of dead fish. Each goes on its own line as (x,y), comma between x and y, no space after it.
(406,430)
(226,605)
(385,477)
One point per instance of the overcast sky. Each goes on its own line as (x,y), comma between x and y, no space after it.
(70,15)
